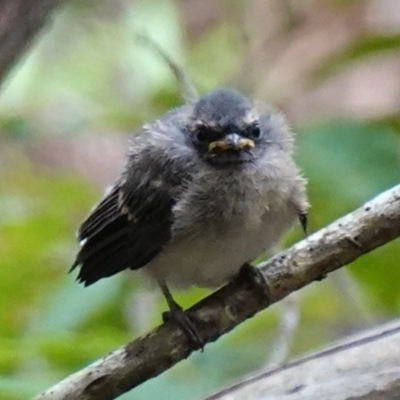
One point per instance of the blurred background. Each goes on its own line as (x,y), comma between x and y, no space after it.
(66,110)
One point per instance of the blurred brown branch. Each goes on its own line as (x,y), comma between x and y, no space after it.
(20,22)
(364,367)
(372,225)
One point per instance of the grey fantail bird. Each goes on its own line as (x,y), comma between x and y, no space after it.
(206,189)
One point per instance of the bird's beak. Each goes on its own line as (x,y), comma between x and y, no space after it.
(233,141)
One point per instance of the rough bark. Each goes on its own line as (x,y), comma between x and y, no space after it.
(371,226)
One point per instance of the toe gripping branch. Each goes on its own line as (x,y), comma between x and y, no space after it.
(181,318)
(187,323)
(255,278)
(248,274)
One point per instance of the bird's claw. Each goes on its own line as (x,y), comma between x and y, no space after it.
(252,274)
(303,218)
(178,316)
(255,277)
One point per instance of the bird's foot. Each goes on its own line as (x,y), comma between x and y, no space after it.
(254,277)
(186,323)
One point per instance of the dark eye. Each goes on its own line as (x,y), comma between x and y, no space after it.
(204,134)
(255,131)
(201,134)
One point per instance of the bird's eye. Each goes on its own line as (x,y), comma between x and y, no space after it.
(202,134)
(255,131)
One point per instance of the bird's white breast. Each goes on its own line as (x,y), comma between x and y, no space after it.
(219,230)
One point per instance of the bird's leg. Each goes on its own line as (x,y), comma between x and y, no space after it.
(178,315)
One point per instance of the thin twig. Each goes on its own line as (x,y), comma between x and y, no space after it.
(187,89)
(288,324)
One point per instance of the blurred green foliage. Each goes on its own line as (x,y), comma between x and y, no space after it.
(366,46)
(88,73)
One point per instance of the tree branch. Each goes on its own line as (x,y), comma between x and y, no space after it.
(364,367)
(20,21)
(371,226)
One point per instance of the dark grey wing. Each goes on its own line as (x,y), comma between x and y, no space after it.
(131,224)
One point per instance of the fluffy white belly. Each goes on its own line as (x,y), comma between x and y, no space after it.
(211,259)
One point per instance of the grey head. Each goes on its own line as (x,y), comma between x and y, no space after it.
(224,128)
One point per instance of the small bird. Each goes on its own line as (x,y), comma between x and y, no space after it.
(206,189)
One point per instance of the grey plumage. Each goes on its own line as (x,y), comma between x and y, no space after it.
(207,187)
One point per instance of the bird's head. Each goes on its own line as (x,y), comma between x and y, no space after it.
(224,128)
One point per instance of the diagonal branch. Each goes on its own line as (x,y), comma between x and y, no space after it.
(371,226)
(362,367)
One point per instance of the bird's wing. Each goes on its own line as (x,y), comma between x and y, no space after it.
(132,224)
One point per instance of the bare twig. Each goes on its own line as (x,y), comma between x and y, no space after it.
(371,226)
(20,21)
(350,289)
(288,324)
(187,89)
